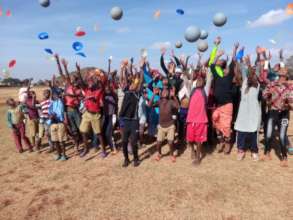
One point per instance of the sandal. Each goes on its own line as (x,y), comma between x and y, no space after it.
(158,157)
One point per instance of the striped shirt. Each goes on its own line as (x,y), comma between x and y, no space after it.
(44,108)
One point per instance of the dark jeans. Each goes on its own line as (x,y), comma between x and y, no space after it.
(130,131)
(247,140)
(182,123)
(281,119)
(108,129)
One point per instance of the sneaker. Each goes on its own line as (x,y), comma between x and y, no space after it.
(83,153)
(20,151)
(240,155)
(63,158)
(173,159)
(125,163)
(103,154)
(30,150)
(136,163)
(57,157)
(255,157)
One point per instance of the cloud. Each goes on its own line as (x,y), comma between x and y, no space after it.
(123,30)
(160,45)
(272,17)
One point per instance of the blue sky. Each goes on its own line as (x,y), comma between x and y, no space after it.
(249,22)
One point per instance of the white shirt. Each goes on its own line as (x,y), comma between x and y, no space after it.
(249,113)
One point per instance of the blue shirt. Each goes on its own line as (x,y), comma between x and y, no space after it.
(56,108)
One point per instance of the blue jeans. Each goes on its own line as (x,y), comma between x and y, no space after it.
(281,119)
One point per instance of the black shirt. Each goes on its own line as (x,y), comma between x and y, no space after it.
(129,108)
(223,85)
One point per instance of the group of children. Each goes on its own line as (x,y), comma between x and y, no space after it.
(203,103)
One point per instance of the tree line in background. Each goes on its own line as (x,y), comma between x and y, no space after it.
(11,82)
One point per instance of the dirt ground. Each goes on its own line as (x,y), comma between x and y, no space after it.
(34,186)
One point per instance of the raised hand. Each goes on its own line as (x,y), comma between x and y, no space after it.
(236,45)
(163,50)
(56,57)
(258,50)
(218,40)
(64,62)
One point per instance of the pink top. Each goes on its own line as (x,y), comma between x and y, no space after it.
(197,109)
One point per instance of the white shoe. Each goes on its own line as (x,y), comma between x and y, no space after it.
(255,157)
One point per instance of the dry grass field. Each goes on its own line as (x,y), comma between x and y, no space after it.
(34,186)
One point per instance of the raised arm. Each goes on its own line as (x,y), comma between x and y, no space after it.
(281,57)
(29,86)
(213,55)
(109,65)
(67,76)
(185,64)
(235,48)
(131,65)
(162,62)
(59,66)
(198,65)
(122,77)
(78,73)
(177,61)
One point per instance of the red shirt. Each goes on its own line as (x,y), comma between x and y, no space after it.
(71,101)
(93,104)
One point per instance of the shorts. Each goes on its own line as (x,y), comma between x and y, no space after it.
(169,131)
(196,132)
(32,127)
(73,120)
(44,129)
(58,133)
(90,121)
